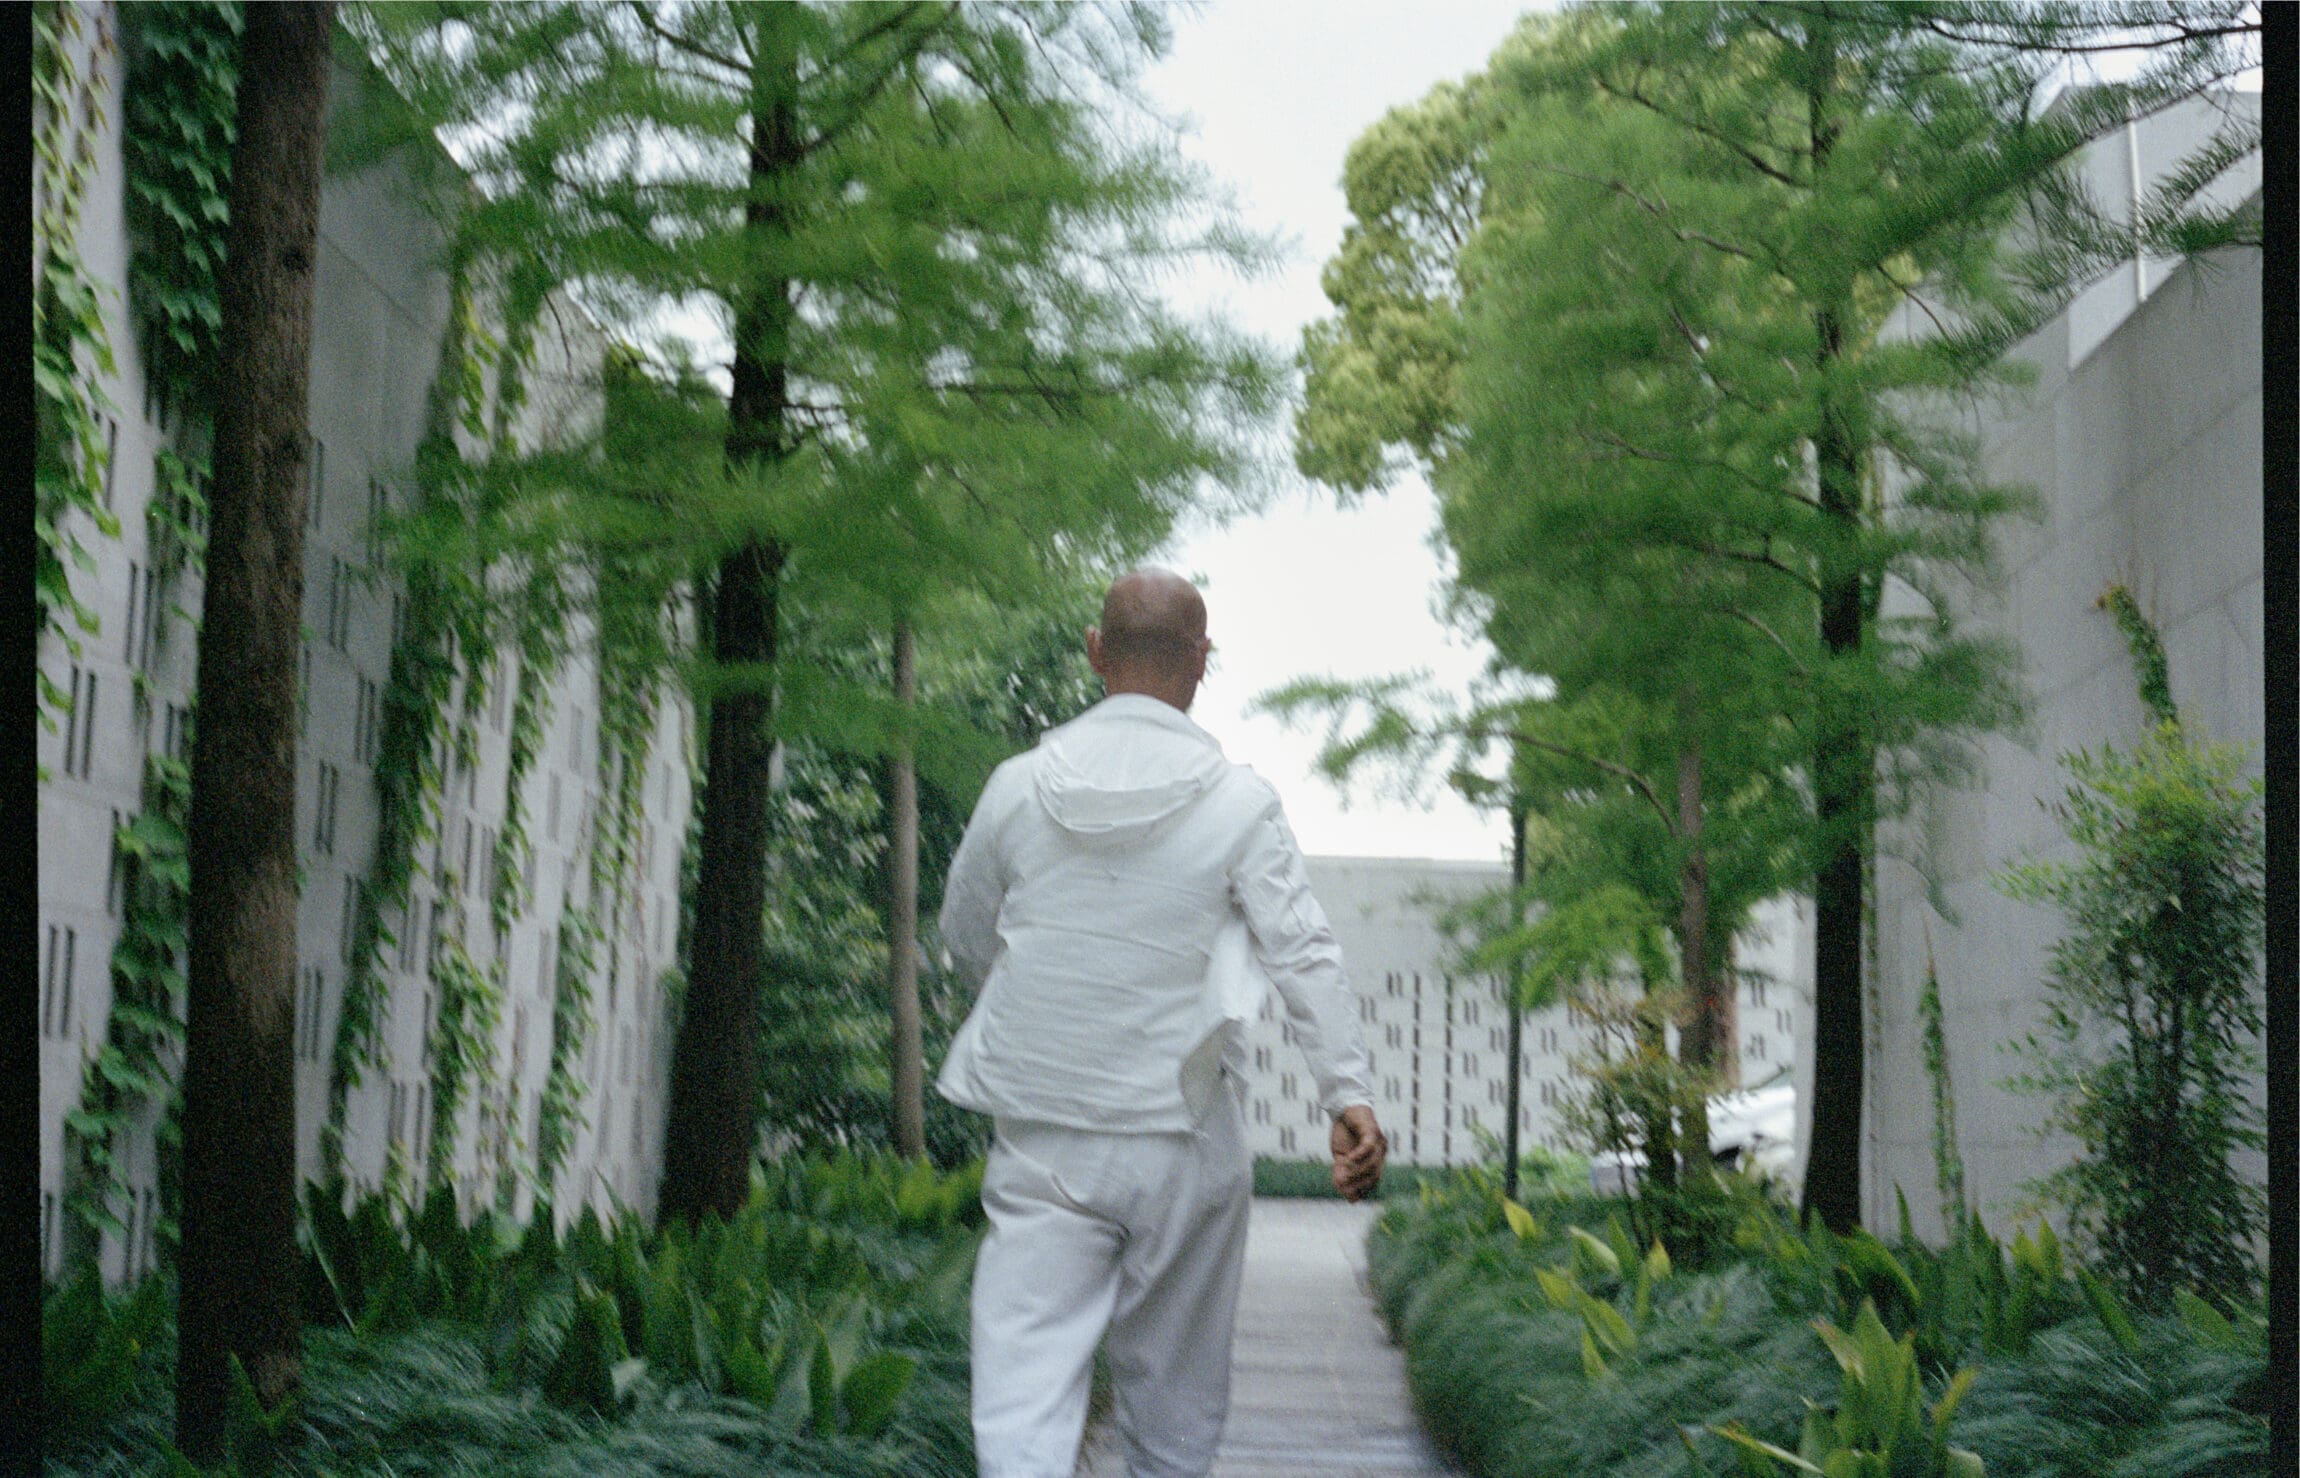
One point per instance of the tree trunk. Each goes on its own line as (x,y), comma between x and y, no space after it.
(1510,1148)
(238,1265)
(1842,772)
(1705,1043)
(1842,765)
(1661,1136)
(712,1119)
(909,1106)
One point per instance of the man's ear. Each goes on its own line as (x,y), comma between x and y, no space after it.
(1094,651)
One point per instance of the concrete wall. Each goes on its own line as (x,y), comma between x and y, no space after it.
(2145,453)
(381,306)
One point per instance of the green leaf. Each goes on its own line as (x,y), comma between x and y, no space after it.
(1733,1433)
(1598,1255)
(2110,1310)
(1558,1286)
(822,1388)
(873,1389)
(1520,1220)
(1592,1364)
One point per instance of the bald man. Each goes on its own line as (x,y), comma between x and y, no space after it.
(1121,898)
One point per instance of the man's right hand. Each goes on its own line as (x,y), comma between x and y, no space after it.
(1359,1150)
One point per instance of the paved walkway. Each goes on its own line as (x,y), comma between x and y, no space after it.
(1316,1390)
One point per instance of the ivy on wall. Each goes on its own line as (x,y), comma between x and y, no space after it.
(71,346)
(182,106)
(133,1067)
(176,148)
(411,759)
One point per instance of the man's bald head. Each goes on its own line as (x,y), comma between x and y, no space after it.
(1152,638)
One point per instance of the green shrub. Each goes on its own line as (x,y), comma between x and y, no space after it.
(2153,1003)
(1314,1179)
(822,1330)
(1492,1305)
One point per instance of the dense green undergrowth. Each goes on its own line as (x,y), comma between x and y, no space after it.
(1541,1171)
(822,1331)
(1542,1341)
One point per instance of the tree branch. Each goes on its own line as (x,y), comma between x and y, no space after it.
(1619,772)
(1658,211)
(686,44)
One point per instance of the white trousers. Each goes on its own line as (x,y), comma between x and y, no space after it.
(1140,1237)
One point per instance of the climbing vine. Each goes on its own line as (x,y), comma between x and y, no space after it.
(1948,1161)
(132,1068)
(70,344)
(176,143)
(561,1112)
(182,101)
(2150,668)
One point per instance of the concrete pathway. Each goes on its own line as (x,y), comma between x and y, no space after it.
(1316,1388)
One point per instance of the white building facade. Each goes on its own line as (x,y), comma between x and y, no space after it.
(1440,1040)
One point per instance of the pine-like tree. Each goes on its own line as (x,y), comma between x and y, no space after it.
(946,372)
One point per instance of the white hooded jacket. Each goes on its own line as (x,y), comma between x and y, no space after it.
(1119,897)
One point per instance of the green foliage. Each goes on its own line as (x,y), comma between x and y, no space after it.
(182,105)
(2151,671)
(561,1114)
(2153,1012)
(71,346)
(1881,1427)
(92,1349)
(1314,1179)
(1492,1303)
(821,1331)
(1948,1161)
(133,1070)
(467,1014)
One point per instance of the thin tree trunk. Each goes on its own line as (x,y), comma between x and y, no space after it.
(902,916)
(1661,1137)
(1511,1149)
(238,1255)
(712,1119)
(1705,1054)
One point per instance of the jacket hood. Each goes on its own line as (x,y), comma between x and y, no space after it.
(1124,765)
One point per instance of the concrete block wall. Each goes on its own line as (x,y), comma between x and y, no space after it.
(1439,1042)
(2145,453)
(381,305)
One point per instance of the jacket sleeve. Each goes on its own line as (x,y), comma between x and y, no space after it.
(976,886)
(1296,947)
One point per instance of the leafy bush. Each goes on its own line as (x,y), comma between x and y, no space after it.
(1314,1179)
(822,1330)
(2153,1001)
(1540,1341)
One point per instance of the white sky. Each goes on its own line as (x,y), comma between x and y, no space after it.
(1277,90)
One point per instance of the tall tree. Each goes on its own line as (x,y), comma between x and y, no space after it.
(1867,191)
(1638,298)
(1538,571)
(944,373)
(237,1262)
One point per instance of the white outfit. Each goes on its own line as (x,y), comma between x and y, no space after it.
(1123,895)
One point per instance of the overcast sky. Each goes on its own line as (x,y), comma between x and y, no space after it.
(1275,91)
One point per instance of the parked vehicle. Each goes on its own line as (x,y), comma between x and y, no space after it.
(1756,1127)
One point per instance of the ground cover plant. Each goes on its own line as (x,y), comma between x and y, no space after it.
(821,1331)
(1314,1179)
(1541,1339)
